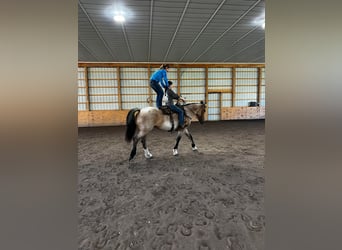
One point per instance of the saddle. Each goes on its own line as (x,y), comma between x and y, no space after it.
(167,111)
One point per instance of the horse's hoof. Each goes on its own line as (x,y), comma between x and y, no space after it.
(149,156)
(175,152)
(194,148)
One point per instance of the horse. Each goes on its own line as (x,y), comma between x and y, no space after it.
(140,122)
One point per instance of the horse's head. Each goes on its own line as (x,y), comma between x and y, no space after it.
(195,109)
(200,112)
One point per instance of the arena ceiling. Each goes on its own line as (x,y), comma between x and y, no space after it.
(189,31)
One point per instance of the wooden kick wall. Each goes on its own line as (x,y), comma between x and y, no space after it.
(106,91)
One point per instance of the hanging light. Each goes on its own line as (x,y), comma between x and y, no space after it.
(119,18)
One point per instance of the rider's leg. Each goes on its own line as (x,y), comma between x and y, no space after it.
(158,89)
(180,114)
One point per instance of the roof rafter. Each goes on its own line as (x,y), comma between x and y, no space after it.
(175,33)
(201,31)
(240,51)
(89,50)
(150,32)
(127,42)
(96,30)
(225,32)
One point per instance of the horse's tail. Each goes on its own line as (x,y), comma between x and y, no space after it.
(130,124)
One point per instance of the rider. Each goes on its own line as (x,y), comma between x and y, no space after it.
(157,77)
(171,95)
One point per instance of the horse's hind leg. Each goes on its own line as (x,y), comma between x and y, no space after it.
(175,148)
(134,149)
(187,133)
(147,153)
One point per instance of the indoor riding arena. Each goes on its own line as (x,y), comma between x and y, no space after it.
(210,196)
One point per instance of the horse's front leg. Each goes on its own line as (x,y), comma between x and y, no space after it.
(179,137)
(187,133)
(147,153)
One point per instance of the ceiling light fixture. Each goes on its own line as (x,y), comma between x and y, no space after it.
(119,18)
(260,21)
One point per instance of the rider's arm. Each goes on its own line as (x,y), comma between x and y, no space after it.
(164,79)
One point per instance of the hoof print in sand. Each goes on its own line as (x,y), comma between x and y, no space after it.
(251,224)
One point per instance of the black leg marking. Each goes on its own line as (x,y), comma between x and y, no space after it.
(133,152)
(143,141)
(134,149)
(187,133)
(179,137)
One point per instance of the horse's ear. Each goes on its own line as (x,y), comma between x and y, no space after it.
(202,102)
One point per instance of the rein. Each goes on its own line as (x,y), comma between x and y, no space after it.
(187,104)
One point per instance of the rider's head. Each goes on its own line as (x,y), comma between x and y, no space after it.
(164,66)
(170,83)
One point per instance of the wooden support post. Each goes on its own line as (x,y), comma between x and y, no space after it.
(178,80)
(206,85)
(221,94)
(233,85)
(259,85)
(150,101)
(119,87)
(87,88)
(206,89)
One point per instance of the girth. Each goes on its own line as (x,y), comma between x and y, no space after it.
(167,111)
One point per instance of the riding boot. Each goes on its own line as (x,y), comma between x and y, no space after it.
(181,127)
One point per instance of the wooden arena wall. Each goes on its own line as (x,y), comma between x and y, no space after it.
(107,91)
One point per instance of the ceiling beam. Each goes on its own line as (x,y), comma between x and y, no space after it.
(238,40)
(259,57)
(127,42)
(96,30)
(239,52)
(175,33)
(203,28)
(89,50)
(238,20)
(150,33)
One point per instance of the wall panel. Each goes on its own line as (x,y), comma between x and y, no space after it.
(246,86)
(102,88)
(82,89)
(192,86)
(263,88)
(214,107)
(106,89)
(134,87)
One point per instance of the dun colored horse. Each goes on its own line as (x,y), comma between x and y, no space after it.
(140,122)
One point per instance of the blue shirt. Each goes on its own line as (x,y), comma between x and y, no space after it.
(160,76)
